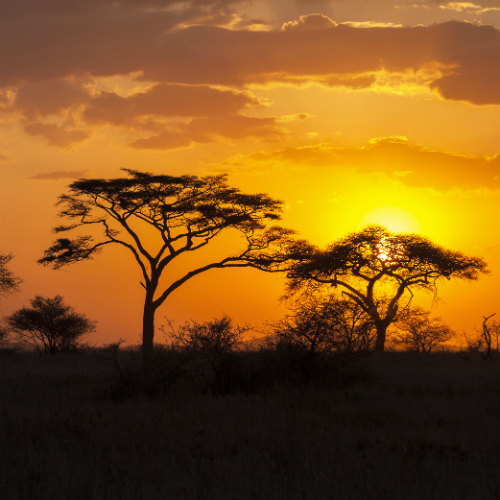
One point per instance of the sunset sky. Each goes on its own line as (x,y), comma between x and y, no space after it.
(350,111)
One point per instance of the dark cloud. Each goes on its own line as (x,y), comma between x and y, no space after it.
(52,39)
(146,110)
(119,40)
(56,135)
(61,175)
(214,129)
(51,97)
(55,50)
(166,100)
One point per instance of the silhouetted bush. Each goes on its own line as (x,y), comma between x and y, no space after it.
(418,331)
(212,346)
(325,324)
(49,324)
(173,370)
(485,342)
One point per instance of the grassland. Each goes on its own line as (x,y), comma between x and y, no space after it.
(391,426)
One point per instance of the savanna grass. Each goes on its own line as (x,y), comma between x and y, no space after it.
(391,426)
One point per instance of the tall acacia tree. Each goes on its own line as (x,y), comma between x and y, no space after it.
(185,212)
(376,268)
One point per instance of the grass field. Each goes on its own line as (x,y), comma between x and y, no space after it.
(390,426)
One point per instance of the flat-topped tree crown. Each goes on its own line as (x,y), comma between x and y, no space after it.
(185,212)
(376,267)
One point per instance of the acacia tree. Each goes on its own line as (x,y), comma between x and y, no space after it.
(185,212)
(376,268)
(49,324)
(421,332)
(9,283)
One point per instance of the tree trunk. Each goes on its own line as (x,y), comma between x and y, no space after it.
(148,324)
(380,341)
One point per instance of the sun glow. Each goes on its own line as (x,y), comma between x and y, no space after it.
(393,218)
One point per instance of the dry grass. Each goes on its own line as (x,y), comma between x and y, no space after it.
(395,426)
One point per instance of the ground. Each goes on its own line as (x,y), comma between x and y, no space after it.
(390,426)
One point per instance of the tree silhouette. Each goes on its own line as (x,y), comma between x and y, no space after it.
(375,268)
(421,332)
(320,323)
(9,283)
(488,341)
(185,212)
(49,323)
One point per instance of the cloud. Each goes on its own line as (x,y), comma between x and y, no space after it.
(62,175)
(459,7)
(115,38)
(371,24)
(227,20)
(466,6)
(466,57)
(5,157)
(57,55)
(309,22)
(166,100)
(51,97)
(73,104)
(412,165)
(444,4)
(56,135)
(214,129)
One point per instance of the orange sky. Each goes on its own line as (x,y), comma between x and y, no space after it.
(352,112)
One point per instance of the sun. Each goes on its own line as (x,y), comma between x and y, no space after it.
(393,218)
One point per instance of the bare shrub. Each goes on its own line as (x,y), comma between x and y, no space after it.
(321,334)
(213,344)
(490,334)
(486,341)
(418,331)
(326,324)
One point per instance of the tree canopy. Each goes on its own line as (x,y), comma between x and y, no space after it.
(185,212)
(49,324)
(375,268)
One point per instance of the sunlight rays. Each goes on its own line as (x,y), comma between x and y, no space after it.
(393,218)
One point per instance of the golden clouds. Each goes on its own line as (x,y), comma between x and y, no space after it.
(467,6)
(197,75)
(309,22)
(411,165)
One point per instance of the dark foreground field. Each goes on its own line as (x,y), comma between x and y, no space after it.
(392,426)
